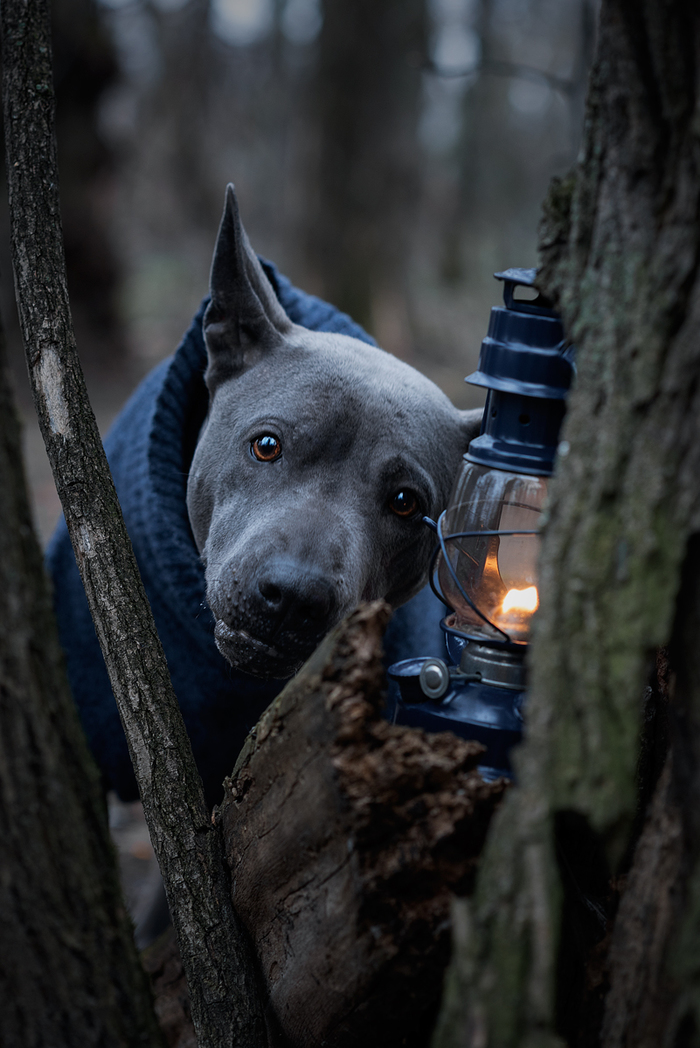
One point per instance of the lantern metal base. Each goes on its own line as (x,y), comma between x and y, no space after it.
(496,666)
(481,699)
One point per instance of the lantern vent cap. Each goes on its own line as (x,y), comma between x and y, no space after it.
(525,350)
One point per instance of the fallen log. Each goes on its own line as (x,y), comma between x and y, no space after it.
(347,837)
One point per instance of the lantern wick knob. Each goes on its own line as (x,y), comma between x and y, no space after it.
(434,678)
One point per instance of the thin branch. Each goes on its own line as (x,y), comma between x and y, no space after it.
(510,69)
(225,1003)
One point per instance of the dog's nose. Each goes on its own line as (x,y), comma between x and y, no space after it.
(296,599)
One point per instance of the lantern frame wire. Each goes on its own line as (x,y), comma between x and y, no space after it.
(442,548)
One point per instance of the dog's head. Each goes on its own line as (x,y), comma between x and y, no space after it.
(317,460)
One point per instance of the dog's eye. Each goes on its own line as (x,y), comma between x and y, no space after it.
(404,503)
(266,448)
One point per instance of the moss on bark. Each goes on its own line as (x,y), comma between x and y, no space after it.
(619,252)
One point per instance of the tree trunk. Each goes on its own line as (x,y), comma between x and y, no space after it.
(225,1001)
(620,248)
(85,66)
(365,189)
(69,972)
(346,837)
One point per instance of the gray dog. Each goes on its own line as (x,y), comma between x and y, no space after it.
(309,459)
(273,473)
(318,459)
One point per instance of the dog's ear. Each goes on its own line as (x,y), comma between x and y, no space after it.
(243,317)
(471,424)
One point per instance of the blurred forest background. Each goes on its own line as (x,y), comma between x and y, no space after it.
(389,155)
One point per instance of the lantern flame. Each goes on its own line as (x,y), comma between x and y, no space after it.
(521,600)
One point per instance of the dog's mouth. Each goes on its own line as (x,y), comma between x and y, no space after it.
(257,657)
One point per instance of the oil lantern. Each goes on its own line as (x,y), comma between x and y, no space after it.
(488,535)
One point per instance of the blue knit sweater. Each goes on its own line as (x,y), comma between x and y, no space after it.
(150,447)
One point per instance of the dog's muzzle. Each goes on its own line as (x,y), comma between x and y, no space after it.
(272,629)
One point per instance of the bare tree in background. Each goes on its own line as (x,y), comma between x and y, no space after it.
(85,67)
(367,95)
(504,153)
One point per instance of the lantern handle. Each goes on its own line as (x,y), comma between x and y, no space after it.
(513,278)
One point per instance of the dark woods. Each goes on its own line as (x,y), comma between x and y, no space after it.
(391,155)
(388,156)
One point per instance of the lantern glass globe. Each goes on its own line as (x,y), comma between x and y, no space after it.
(496,565)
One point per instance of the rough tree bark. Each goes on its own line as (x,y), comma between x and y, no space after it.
(225,1002)
(620,247)
(69,972)
(346,837)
